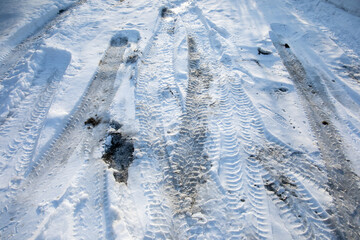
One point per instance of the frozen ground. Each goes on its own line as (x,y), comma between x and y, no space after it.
(217,119)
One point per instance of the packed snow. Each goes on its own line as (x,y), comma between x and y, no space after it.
(179,119)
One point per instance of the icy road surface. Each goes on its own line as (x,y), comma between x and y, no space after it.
(209,119)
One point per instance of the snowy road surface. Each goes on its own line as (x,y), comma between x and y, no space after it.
(179,119)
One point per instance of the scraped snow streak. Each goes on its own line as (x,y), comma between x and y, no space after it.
(179,119)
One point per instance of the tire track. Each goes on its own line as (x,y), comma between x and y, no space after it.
(16,71)
(102,202)
(342,181)
(252,164)
(254,138)
(241,175)
(172,141)
(94,208)
(268,154)
(28,81)
(37,211)
(88,206)
(201,215)
(21,149)
(236,174)
(231,169)
(22,138)
(95,101)
(150,152)
(79,220)
(189,161)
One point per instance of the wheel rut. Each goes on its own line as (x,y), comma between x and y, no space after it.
(155,99)
(21,139)
(252,161)
(341,180)
(189,162)
(173,151)
(95,102)
(244,167)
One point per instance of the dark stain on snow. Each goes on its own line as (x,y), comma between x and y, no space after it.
(325,123)
(132,59)
(165,12)
(282,188)
(263,51)
(286,181)
(93,121)
(118,152)
(282,90)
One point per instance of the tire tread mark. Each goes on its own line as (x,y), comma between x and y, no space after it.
(150,147)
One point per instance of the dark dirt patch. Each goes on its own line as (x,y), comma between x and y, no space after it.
(93,121)
(282,89)
(286,181)
(132,59)
(263,51)
(270,187)
(119,154)
(278,190)
(165,12)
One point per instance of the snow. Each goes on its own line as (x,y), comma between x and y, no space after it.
(241,118)
(21,19)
